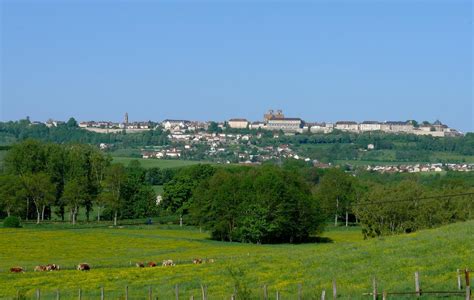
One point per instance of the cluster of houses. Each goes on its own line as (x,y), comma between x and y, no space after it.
(417,168)
(221,147)
(172,152)
(107,126)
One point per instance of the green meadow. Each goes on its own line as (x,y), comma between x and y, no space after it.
(157,163)
(341,254)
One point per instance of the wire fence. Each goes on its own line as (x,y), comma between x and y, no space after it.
(196,290)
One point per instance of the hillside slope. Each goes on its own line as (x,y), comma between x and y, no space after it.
(435,253)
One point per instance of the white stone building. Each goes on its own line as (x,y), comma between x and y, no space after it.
(238,123)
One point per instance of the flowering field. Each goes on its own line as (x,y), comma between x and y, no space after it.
(435,253)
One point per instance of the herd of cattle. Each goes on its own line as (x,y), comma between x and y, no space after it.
(87,267)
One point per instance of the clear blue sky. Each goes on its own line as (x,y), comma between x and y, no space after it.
(318,60)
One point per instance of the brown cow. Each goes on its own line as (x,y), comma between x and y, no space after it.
(197,261)
(17,270)
(168,263)
(83,267)
(151,264)
(40,268)
(140,265)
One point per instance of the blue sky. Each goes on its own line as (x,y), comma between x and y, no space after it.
(318,60)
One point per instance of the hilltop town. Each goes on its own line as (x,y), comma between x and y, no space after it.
(238,140)
(276,121)
(387,147)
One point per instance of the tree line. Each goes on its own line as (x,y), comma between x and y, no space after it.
(69,132)
(44,178)
(289,202)
(293,201)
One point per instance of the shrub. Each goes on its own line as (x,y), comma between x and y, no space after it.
(11,222)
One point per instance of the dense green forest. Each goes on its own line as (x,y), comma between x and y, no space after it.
(44,178)
(14,131)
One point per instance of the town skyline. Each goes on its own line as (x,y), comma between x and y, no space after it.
(121,119)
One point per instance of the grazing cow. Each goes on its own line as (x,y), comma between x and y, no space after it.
(83,267)
(52,267)
(168,263)
(210,260)
(40,268)
(17,270)
(151,264)
(140,265)
(197,261)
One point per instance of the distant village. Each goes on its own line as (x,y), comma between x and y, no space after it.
(417,168)
(276,121)
(193,139)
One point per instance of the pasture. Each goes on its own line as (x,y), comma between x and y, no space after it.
(156,163)
(344,256)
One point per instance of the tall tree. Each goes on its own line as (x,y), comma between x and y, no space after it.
(71,123)
(57,166)
(10,193)
(99,165)
(337,190)
(40,190)
(73,197)
(114,181)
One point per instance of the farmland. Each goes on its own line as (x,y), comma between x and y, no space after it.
(156,163)
(345,256)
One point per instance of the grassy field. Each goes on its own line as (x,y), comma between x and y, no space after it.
(160,163)
(349,259)
(158,189)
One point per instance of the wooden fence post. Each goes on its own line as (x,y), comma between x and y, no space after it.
(101,293)
(466,274)
(384,296)
(468,284)
(204,292)
(323,295)
(150,293)
(334,289)
(126,292)
(58,296)
(300,291)
(80,294)
(232,297)
(176,291)
(265,292)
(459,280)
(417,284)
(374,285)
(38,294)
(277,295)
(192,297)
